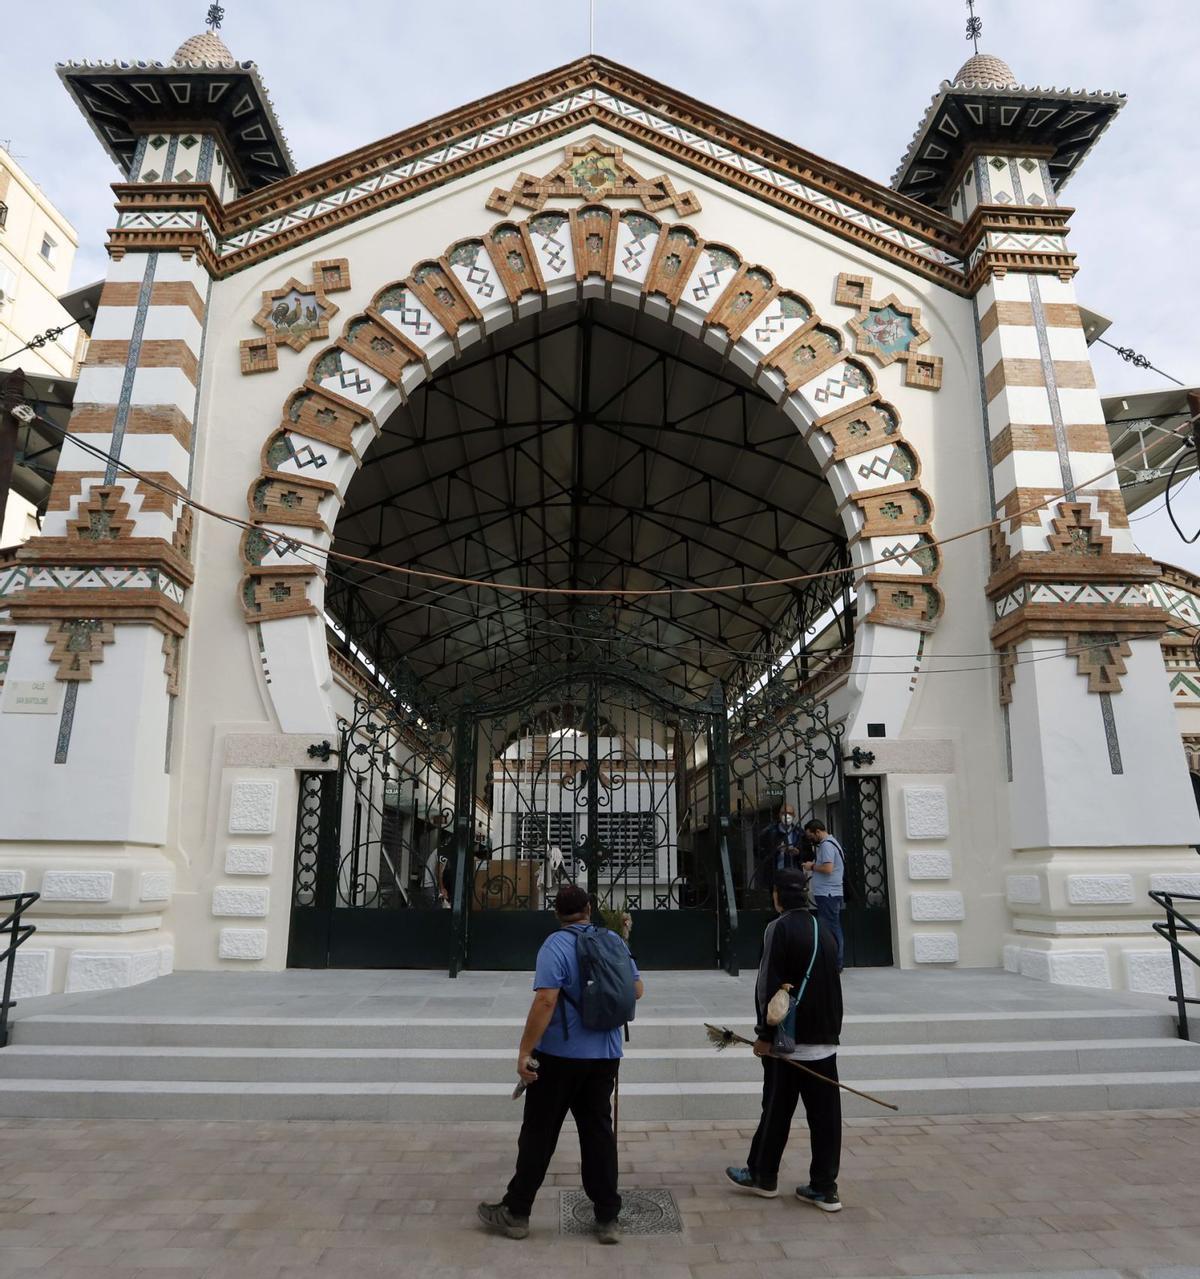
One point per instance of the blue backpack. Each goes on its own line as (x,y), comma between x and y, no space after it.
(607,998)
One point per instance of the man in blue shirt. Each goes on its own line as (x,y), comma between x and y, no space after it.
(828,882)
(576,1072)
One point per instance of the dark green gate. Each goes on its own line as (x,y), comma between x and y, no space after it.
(784,749)
(592,775)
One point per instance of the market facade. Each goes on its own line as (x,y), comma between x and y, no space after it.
(657,458)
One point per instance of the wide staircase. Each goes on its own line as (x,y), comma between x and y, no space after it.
(205,1046)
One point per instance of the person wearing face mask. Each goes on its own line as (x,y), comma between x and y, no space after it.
(782,847)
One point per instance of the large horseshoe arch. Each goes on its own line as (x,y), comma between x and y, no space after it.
(414,325)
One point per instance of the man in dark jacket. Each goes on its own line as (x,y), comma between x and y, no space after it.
(783,846)
(798,950)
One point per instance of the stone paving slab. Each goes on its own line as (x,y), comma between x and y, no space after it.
(1092,1195)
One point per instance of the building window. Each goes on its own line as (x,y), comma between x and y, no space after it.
(47,249)
(3,215)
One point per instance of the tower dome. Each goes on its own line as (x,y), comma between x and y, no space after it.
(983,71)
(205,47)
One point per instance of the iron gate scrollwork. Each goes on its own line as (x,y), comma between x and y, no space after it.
(868,918)
(372,836)
(421,847)
(786,751)
(590,777)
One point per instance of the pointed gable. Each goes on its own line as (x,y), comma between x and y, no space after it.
(591,91)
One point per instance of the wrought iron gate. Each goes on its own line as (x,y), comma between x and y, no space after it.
(594,777)
(785,750)
(372,833)
(662,808)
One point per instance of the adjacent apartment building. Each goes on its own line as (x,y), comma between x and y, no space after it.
(37,250)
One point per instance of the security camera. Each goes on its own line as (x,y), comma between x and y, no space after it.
(24,413)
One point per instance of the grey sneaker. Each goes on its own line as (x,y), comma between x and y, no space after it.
(609,1231)
(826,1200)
(497,1217)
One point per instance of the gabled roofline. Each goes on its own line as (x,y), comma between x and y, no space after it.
(525,115)
(529,93)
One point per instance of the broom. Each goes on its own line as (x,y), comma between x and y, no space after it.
(721,1037)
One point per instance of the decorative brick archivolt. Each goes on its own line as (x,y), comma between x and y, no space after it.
(386,351)
(593,170)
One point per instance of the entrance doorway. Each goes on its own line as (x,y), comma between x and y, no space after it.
(503,739)
(664,810)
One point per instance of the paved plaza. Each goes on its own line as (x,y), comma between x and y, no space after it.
(1086,1194)
(1100,1193)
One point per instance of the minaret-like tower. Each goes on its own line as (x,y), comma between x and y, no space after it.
(1101,807)
(100,600)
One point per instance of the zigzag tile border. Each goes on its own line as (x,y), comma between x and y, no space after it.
(519,124)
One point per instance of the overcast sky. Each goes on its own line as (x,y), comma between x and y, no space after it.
(847,81)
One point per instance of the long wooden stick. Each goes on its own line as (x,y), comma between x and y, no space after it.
(732,1038)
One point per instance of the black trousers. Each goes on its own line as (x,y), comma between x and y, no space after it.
(584,1087)
(783,1086)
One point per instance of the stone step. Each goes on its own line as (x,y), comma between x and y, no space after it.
(693,1064)
(501,1032)
(983,1094)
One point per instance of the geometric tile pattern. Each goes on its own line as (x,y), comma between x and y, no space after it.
(593,170)
(16,578)
(888,331)
(104,517)
(1072,594)
(1179,596)
(78,646)
(295,314)
(1077,531)
(1101,658)
(369,190)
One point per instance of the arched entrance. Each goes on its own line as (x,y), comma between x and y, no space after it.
(658,417)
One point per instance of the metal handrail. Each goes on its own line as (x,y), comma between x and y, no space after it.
(1170,934)
(19,933)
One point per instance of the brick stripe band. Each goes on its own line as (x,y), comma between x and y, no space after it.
(153,353)
(162,293)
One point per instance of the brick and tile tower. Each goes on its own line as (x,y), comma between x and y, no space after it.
(1096,821)
(100,600)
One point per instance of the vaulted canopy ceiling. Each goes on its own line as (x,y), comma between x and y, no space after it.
(585,446)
